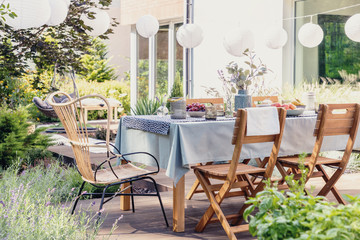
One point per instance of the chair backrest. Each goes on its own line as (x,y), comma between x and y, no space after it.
(205,100)
(254,99)
(240,138)
(73,120)
(332,120)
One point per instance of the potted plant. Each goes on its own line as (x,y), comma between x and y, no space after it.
(242,78)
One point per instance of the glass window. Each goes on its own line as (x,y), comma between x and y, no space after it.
(336,52)
(143,68)
(162,60)
(178,59)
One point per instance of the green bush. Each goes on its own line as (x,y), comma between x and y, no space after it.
(30,206)
(145,106)
(15,140)
(295,215)
(119,90)
(95,64)
(15,92)
(177,88)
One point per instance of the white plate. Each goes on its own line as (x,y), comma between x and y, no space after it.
(196,114)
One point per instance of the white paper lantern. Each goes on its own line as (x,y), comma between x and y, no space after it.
(30,13)
(275,37)
(147,26)
(238,40)
(310,35)
(100,24)
(59,11)
(352,27)
(189,35)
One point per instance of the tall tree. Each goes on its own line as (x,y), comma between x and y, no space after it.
(46,46)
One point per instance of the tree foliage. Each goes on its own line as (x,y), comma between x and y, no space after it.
(5,11)
(96,64)
(46,46)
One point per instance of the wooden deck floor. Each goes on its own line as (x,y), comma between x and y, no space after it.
(147,222)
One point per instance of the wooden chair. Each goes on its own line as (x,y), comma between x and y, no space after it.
(205,100)
(100,176)
(254,99)
(236,175)
(332,120)
(220,101)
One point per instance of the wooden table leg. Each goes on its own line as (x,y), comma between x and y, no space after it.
(179,206)
(125,200)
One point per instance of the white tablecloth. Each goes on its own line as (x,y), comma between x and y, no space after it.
(199,142)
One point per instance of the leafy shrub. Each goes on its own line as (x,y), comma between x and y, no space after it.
(177,88)
(295,215)
(30,207)
(19,91)
(119,90)
(145,106)
(15,141)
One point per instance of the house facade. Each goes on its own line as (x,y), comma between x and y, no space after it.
(155,63)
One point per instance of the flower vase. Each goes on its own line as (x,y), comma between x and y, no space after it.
(242,100)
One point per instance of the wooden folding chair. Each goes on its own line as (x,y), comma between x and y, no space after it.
(217,101)
(255,99)
(332,120)
(236,175)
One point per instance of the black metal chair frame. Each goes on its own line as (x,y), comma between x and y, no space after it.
(122,181)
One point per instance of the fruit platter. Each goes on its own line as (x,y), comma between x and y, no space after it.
(293,108)
(195,110)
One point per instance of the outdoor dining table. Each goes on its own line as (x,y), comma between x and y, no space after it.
(181,143)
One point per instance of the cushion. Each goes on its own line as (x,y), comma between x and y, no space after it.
(41,104)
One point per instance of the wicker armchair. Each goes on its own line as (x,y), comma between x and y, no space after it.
(105,174)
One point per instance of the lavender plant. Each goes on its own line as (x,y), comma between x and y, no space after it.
(30,207)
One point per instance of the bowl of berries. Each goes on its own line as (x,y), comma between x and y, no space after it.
(195,110)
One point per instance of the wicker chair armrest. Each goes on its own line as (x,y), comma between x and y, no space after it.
(146,153)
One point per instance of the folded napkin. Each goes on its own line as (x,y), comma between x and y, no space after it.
(262,121)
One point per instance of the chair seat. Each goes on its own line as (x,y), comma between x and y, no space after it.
(221,170)
(126,171)
(294,161)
